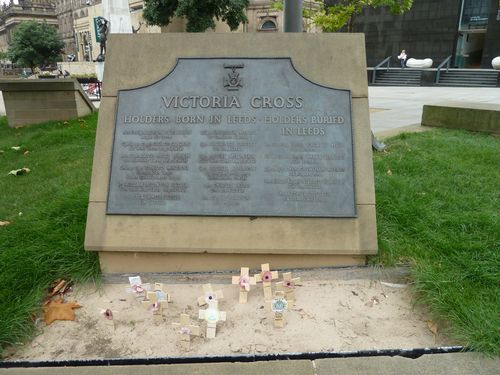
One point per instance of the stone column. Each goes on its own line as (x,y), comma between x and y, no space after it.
(118,14)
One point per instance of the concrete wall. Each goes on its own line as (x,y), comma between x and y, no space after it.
(78,67)
(481,117)
(39,100)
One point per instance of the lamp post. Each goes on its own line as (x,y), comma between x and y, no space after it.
(292,12)
(99,71)
(99,66)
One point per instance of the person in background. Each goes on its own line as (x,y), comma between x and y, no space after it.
(402,58)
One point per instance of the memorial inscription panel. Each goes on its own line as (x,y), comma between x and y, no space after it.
(233,137)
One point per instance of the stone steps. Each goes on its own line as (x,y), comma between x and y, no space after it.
(468,78)
(398,77)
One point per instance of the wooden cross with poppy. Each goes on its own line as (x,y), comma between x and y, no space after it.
(244,281)
(209,295)
(288,287)
(266,276)
(186,330)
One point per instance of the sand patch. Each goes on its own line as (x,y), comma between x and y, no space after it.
(335,310)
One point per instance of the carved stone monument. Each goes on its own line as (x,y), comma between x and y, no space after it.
(232,148)
(117,12)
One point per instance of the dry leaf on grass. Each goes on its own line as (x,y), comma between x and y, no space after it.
(58,310)
(16,148)
(4,223)
(18,172)
(433,327)
(59,287)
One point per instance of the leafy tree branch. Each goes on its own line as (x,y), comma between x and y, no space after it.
(200,15)
(35,44)
(333,15)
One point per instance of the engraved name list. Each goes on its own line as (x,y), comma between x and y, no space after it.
(235,137)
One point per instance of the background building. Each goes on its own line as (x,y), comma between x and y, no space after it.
(468,30)
(24,10)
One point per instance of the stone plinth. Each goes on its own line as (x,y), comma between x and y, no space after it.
(39,100)
(463,115)
(156,243)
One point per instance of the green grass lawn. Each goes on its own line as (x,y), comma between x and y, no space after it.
(437,208)
(47,208)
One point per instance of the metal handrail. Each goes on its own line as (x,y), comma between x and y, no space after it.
(446,62)
(386,61)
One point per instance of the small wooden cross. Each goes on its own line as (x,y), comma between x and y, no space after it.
(265,277)
(137,287)
(212,315)
(244,281)
(278,306)
(186,330)
(157,300)
(288,287)
(209,295)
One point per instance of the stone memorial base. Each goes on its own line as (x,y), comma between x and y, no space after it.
(131,238)
(31,101)
(113,262)
(479,117)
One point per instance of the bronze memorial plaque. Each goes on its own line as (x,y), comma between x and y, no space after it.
(233,137)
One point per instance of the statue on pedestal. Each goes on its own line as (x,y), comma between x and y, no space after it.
(103,34)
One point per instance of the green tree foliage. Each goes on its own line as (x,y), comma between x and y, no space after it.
(35,44)
(332,16)
(200,15)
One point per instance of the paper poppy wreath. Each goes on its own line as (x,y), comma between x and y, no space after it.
(267,276)
(137,288)
(212,316)
(245,282)
(289,284)
(210,297)
(279,305)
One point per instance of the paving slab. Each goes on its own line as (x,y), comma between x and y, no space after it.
(455,363)
(399,107)
(302,367)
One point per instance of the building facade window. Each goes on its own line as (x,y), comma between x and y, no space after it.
(268,24)
(474,14)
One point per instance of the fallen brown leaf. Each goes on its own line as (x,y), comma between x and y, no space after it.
(59,285)
(433,327)
(58,310)
(4,223)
